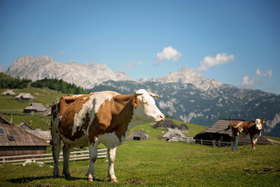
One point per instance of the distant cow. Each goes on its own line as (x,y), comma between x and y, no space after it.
(103,117)
(244,128)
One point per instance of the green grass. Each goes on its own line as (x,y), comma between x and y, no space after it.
(161,163)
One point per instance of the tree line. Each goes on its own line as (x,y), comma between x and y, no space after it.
(7,82)
(58,85)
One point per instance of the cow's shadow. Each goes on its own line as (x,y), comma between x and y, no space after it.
(30,179)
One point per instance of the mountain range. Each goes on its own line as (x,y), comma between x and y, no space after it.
(185,95)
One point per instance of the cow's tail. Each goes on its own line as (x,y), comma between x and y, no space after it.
(237,125)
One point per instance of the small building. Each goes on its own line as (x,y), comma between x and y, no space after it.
(8,92)
(138,135)
(25,96)
(221,131)
(46,135)
(184,128)
(48,112)
(25,126)
(35,107)
(174,135)
(15,140)
(166,124)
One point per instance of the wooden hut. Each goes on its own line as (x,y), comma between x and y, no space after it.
(25,96)
(35,107)
(183,128)
(138,135)
(8,92)
(173,134)
(221,131)
(17,141)
(166,124)
(25,126)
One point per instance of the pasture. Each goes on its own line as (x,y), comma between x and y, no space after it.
(159,163)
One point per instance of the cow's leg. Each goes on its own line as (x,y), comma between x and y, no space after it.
(111,171)
(66,155)
(254,140)
(232,143)
(92,159)
(56,140)
(236,143)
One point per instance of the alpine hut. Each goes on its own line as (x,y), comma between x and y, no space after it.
(8,92)
(25,96)
(166,124)
(221,132)
(15,140)
(35,107)
(138,135)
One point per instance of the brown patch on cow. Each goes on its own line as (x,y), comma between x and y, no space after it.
(68,107)
(113,116)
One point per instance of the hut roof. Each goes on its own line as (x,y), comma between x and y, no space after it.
(222,129)
(166,124)
(8,92)
(46,135)
(173,133)
(138,135)
(48,112)
(25,126)
(12,135)
(183,127)
(38,107)
(27,96)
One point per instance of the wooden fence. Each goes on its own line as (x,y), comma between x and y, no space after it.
(180,139)
(214,143)
(47,158)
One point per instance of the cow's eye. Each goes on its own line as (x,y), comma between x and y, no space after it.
(145,103)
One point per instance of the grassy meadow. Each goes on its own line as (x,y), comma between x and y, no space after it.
(152,162)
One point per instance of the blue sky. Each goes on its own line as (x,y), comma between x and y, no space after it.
(234,42)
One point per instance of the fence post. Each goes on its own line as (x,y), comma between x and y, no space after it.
(213,143)
(201,141)
(219,143)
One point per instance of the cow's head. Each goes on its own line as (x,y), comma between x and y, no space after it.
(145,107)
(259,123)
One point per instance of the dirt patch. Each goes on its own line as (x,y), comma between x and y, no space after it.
(135,181)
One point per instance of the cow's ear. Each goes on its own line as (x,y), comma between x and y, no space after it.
(263,120)
(135,102)
(153,95)
(253,120)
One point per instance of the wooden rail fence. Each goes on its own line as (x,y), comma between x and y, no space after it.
(47,158)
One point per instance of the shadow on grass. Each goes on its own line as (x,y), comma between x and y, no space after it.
(30,179)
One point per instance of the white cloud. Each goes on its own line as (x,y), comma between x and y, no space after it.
(168,53)
(60,52)
(132,64)
(246,82)
(211,61)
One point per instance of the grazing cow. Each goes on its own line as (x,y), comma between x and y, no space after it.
(102,117)
(253,128)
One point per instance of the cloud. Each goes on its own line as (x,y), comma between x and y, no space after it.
(247,83)
(132,64)
(265,73)
(168,53)
(211,61)
(60,52)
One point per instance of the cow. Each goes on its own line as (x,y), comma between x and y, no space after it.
(103,117)
(244,128)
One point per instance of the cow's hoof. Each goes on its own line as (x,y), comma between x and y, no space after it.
(114,180)
(91,179)
(67,177)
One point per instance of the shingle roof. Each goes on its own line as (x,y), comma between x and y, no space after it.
(8,92)
(21,137)
(36,107)
(24,96)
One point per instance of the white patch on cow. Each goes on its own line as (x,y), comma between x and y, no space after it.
(92,106)
(147,110)
(258,124)
(110,140)
(237,125)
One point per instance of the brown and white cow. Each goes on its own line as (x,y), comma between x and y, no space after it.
(102,117)
(244,128)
